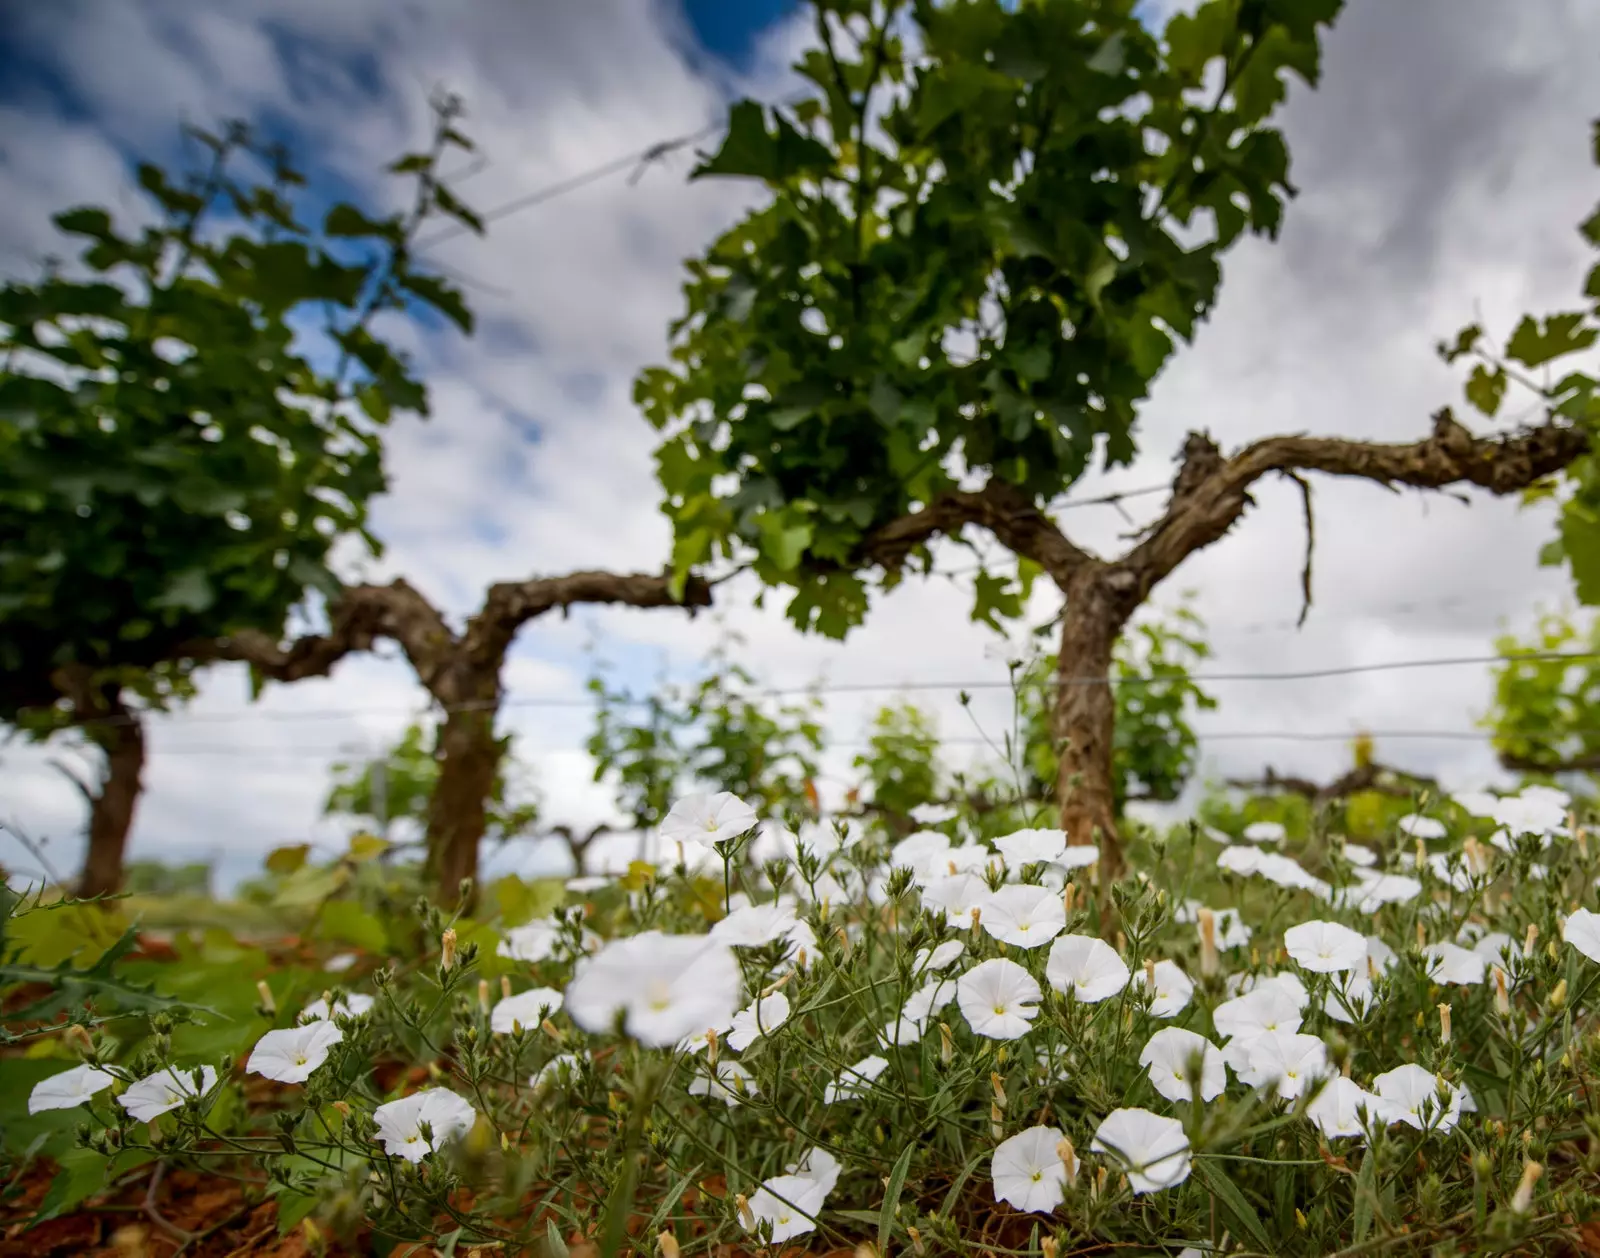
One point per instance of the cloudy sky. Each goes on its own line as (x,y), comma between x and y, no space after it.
(1443,165)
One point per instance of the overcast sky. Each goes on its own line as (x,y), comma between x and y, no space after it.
(1443,166)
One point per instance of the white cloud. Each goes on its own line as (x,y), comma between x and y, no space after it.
(1414,208)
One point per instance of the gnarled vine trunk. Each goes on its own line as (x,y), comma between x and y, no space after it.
(1085,715)
(468,755)
(112,806)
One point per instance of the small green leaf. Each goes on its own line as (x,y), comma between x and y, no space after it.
(891,1195)
(1485,389)
(1238,1211)
(1111,56)
(345,219)
(1533,344)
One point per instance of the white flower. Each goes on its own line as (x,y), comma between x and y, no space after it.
(1255,1013)
(400,1122)
(165,1090)
(1152,1150)
(1027,1171)
(1240,860)
(755,925)
(290,1055)
(789,1204)
(1372,891)
(971,858)
(1381,953)
(1408,1092)
(340,963)
(957,895)
(1352,993)
(1478,803)
(1326,947)
(702,819)
(902,1031)
(560,1069)
(1341,1108)
(1419,827)
(68,1089)
(585,883)
(1032,847)
(998,998)
(1024,916)
(1497,947)
(762,1017)
(819,1166)
(1286,1060)
(667,987)
(920,850)
(933,814)
(1230,928)
(528,1008)
(854,1081)
(1264,832)
(1356,854)
(1287,872)
(932,996)
(1086,968)
(1537,810)
(1582,931)
(938,958)
(1078,856)
(1168,1057)
(1287,982)
(1451,963)
(347,1005)
(532,942)
(729,1083)
(1173,989)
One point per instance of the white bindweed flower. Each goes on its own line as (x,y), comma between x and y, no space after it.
(165,1090)
(1287,872)
(1371,891)
(1287,982)
(920,850)
(532,942)
(1032,847)
(1451,963)
(998,998)
(1230,928)
(928,999)
(1582,931)
(1078,856)
(1285,1060)
(1326,947)
(1027,1171)
(702,819)
(348,1005)
(935,959)
(1342,1108)
(1168,1058)
(854,1081)
(933,814)
(789,1205)
(1409,1094)
(957,895)
(1257,1012)
(562,1069)
(1265,832)
(527,1009)
(819,1166)
(755,925)
(1173,989)
(1240,860)
(68,1089)
(339,964)
(1085,968)
(1024,916)
(1153,1151)
(290,1055)
(972,858)
(763,1017)
(1536,810)
(1358,855)
(1419,827)
(1352,994)
(1496,947)
(585,883)
(400,1122)
(1478,803)
(665,986)
(729,1083)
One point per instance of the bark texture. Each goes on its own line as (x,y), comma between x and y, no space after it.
(461,671)
(1210,494)
(119,734)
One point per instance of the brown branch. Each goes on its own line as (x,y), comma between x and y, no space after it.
(1584,762)
(1006,511)
(1210,492)
(1311,545)
(1376,778)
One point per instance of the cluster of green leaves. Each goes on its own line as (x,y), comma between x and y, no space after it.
(722,733)
(987,228)
(1156,748)
(1542,357)
(901,763)
(192,412)
(1546,711)
(398,786)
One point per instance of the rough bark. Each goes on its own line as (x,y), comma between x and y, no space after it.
(460,671)
(119,734)
(1085,713)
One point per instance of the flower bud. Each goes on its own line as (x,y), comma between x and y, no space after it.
(999,1088)
(1502,997)
(1522,1199)
(447,949)
(917,1247)
(1531,938)
(268,1005)
(1069,897)
(947,1044)
(505,987)
(667,1243)
(1558,998)
(1444,1024)
(1049,1247)
(483,994)
(977,918)
(1069,1159)
(997,1127)
(1208,942)
(711,1045)
(747,1216)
